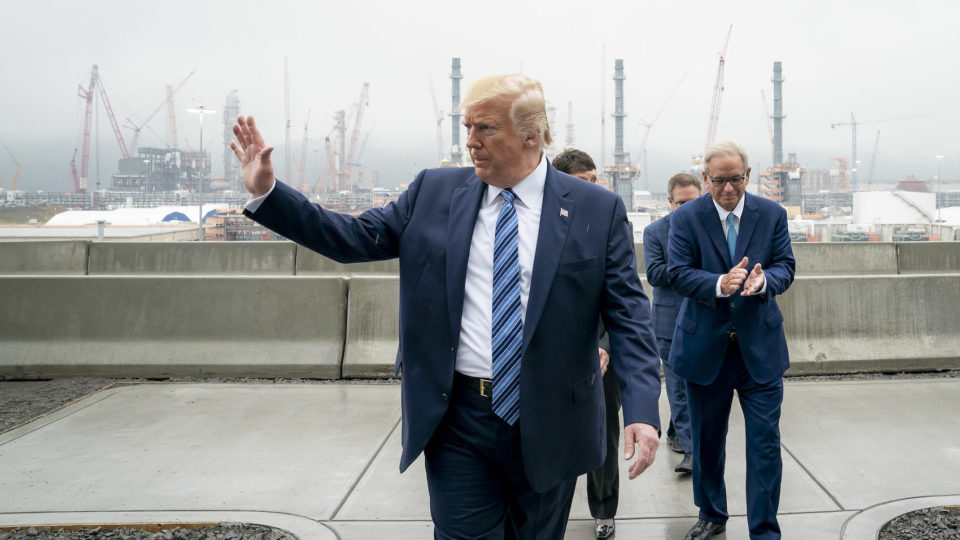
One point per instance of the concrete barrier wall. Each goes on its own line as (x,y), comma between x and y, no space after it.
(171,326)
(51,257)
(373,328)
(212,258)
(845,258)
(872,323)
(286,258)
(311,263)
(929,257)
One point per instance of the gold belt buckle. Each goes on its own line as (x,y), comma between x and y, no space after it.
(486,385)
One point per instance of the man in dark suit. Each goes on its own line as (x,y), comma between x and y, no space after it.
(681,188)
(729,254)
(505,270)
(603,483)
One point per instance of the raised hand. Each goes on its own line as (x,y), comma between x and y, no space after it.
(734,278)
(254,156)
(754,281)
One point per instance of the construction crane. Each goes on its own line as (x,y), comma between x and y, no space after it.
(166,102)
(16,172)
(853,123)
(355,133)
(113,119)
(713,120)
(646,133)
(439,121)
(80,180)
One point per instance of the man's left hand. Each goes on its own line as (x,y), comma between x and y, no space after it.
(604,361)
(645,437)
(754,281)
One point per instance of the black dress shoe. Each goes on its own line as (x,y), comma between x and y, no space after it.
(685,466)
(673,442)
(705,529)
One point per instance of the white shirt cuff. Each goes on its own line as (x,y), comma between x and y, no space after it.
(720,290)
(254,203)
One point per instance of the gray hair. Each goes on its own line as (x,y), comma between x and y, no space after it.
(725,148)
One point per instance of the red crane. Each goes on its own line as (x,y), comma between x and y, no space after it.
(355,133)
(80,180)
(713,119)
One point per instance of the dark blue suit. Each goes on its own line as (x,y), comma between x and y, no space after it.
(584,270)
(666,307)
(714,363)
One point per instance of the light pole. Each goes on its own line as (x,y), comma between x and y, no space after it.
(202,111)
(939,168)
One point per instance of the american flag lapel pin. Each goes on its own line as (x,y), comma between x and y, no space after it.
(563,212)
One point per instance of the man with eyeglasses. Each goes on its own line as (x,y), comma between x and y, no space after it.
(681,188)
(729,254)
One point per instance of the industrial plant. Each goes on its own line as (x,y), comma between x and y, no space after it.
(839,203)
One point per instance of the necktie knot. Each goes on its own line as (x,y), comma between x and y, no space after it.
(730,220)
(508,195)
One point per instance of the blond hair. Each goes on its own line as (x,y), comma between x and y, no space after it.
(528,110)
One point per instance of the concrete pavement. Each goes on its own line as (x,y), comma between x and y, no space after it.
(321,461)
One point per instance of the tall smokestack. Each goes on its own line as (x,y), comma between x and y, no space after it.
(456,153)
(777,114)
(618,114)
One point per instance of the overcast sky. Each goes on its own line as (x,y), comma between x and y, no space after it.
(879,59)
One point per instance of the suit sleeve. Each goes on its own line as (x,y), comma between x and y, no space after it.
(655,259)
(686,277)
(625,312)
(371,236)
(782,268)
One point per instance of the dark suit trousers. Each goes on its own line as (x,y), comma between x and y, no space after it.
(709,414)
(478,489)
(603,483)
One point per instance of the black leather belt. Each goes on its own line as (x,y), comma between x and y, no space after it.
(482,386)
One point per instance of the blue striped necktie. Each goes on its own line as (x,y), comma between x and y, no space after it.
(731,236)
(507,331)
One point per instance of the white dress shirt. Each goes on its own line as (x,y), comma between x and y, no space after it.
(737,212)
(475,353)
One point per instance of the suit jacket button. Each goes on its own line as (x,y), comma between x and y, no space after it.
(444,397)
(732,305)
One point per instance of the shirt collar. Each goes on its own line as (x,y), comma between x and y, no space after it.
(528,191)
(737,211)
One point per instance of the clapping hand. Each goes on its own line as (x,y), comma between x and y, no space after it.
(754,281)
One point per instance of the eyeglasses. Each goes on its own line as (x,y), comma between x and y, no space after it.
(735,180)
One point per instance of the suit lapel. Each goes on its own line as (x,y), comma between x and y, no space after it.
(748,222)
(464,206)
(550,242)
(711,223)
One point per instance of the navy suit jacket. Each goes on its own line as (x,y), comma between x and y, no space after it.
(666,302)
(697,256)
(584,270)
